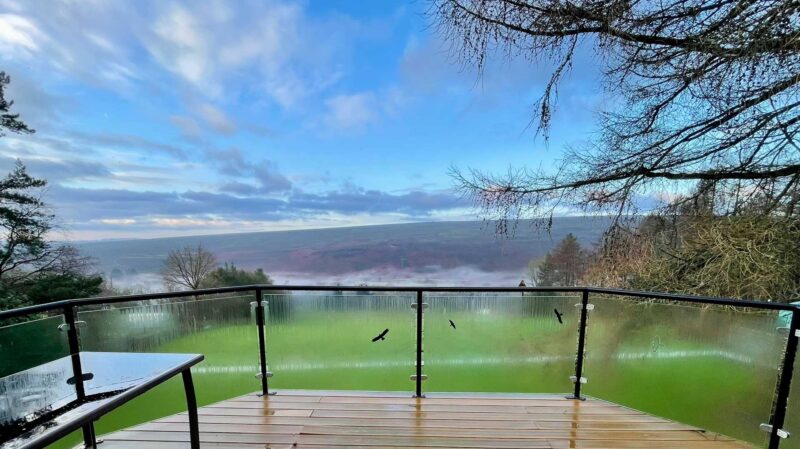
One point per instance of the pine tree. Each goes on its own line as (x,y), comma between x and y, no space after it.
(564,265)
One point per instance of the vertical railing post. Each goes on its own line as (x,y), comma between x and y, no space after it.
(578,379)
(262,344)
(419,345)
(191,409)
(89,438)
(776,421)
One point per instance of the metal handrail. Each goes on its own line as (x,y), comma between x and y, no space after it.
(765,305)
(777,416)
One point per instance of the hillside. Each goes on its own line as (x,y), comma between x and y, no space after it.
(422,252)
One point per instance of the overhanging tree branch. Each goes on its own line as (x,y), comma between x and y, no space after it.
(708,92)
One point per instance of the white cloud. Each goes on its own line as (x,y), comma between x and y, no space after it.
(272,46)
(117,221)
(192,222)
(350,111)
(353,112)
(19,36)
(178,44)
(274,52)
(87,41)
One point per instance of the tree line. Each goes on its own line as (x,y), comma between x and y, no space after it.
(194,267)
(692,251)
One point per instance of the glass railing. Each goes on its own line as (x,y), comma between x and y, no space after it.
(31,343)
(500,342)
(221,327)
(210,324)
(792,424)
(324,340)
(714,367)
(28,356)
(708,362)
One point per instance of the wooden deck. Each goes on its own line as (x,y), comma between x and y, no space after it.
(339,419)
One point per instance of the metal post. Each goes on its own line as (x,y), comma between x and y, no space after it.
(191,407)
(419,345)
(89,438)
(581,345)
(784,384)
(262,345)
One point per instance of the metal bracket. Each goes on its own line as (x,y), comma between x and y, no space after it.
(797,333)
(574,379)
(768,428)
(589,307)
(414,377)
(84,377)
(424,305)
(65,327)
(258,374)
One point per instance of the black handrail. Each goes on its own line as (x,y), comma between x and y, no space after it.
(777,416)
(22,311)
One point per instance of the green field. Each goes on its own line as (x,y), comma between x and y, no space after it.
(713,369)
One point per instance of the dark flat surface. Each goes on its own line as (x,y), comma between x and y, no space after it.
(47,388)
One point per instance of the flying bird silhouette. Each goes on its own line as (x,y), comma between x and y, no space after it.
(381,336)
(558,315)
(452,324)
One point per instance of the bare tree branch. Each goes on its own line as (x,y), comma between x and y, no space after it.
(188,267)
(708,89)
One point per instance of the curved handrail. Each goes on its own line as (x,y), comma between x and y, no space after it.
(21,311)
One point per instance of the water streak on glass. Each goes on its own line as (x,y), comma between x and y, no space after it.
(50,386)
(324,340)
(221,328)
(38,389)
(713,367)
(33,345)
(501,342)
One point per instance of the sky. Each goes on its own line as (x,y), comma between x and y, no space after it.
(169,118)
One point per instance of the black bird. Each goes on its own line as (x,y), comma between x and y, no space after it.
(452,324)
(558,315)
(381,336)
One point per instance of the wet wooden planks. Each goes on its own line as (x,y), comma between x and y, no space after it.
(338,419)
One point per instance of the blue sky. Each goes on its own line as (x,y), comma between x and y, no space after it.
(178,118)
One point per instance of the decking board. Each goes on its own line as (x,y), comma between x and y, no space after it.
(335,419)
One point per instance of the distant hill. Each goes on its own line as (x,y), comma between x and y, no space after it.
(402,253)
